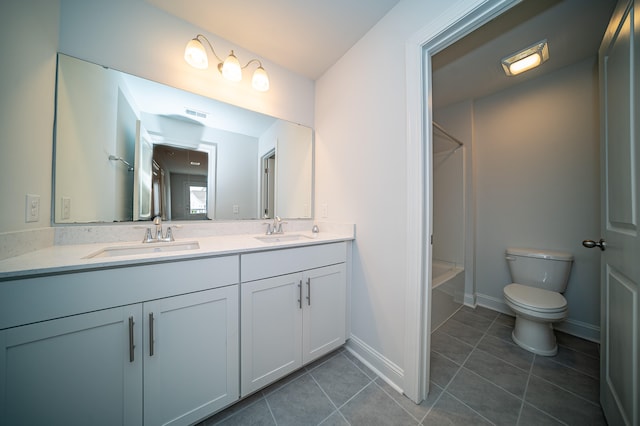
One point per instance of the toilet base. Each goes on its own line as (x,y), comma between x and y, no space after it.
(535,336)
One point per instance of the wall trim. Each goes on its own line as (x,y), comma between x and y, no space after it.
(570,326)
(378,363)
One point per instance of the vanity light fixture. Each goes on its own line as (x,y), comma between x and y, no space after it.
(196,56)
(526,59)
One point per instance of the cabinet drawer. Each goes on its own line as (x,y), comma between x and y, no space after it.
(255,266)
(30,300)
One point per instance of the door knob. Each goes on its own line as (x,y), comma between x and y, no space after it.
(591,244)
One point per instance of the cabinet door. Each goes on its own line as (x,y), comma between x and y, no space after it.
(271,330)
(324,313)
(77,370)
(190,356)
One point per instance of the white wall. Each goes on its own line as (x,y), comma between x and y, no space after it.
(361,136)
(128,35)
(28,42)
(537,152)
(136,37)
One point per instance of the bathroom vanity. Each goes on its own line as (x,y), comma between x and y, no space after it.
(164,338)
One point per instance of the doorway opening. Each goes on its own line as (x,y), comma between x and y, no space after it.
(268,183)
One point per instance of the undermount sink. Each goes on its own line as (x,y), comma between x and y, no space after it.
(146,248)
(281,238)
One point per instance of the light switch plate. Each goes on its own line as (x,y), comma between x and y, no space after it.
(66,208)
(324,210)
(32,208)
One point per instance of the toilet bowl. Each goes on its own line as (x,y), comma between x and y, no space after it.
(539,278)
(536,309)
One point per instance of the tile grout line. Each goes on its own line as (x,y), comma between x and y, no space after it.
(444,389)
(397,402)
(273,416)
(576,369)
(526,387)
(596,404)
(337,410)
(530,373)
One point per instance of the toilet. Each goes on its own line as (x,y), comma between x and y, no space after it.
(539,277)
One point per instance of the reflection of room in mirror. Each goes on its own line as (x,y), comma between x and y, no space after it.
(179,183)
(103,113)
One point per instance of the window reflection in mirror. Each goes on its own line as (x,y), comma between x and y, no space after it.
(108,125)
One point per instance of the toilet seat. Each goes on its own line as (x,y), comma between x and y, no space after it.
(535,299)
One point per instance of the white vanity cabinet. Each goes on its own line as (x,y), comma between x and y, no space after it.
(73,370)
(293,310)
(190,356)
(87,354)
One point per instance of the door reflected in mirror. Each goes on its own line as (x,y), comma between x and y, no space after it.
(116,135)
(179,183)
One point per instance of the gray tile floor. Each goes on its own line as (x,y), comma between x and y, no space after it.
(478,376)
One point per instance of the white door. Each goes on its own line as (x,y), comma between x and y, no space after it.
(142,174)
(191,349)
(620,282)
(78,370)
(270,330)
(323,318)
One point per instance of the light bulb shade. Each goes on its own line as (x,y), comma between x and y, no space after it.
(525,64)
(195,55)
(260,80)
(526,59)
(231,69)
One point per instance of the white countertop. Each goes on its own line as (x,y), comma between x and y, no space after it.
(72,258)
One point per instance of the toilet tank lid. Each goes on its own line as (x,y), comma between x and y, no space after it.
(541,254)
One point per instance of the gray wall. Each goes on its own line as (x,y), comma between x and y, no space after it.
(537,156)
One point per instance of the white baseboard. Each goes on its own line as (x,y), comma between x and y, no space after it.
(470,299)
(570,326)
(383,367)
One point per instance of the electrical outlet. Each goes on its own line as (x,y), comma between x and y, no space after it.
(66,208)
(324,210)
(236,209)
(32,208)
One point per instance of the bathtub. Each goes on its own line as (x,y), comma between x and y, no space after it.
(442,271)
(447,295)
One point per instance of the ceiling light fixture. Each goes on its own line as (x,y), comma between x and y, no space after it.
(196,56)
(526,59)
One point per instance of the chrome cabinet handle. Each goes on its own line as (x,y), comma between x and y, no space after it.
(151,339)
(308,291)
(300,294)
(131,345)
(602,244)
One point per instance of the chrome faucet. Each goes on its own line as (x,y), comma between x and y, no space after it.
(276,227)
(158,237)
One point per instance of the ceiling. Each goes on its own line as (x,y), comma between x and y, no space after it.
(304,36)
(309,36)
(470,68)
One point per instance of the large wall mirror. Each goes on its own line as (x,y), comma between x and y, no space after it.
(128,149)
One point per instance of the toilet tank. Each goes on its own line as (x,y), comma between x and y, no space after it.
(547,269)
